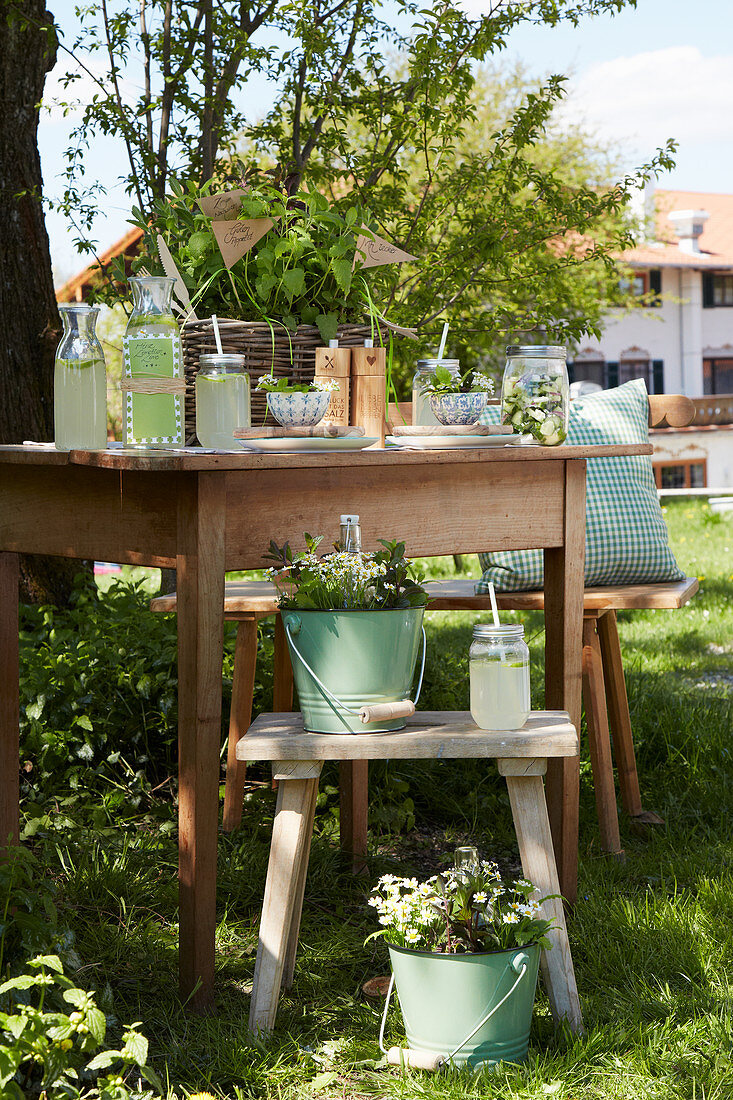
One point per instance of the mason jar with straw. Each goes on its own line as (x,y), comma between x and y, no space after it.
(422,413)
(222,397)
(498,662)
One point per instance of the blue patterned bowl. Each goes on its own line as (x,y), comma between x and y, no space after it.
(298,410)
(458,408)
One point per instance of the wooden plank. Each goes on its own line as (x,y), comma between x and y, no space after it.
(443,517)
(428,735)
(200,565)
(243,686)
(9,705)
(532,826)
(282,686)
(596,717)
(670,408)
(290,843)
(457,594)
(75,512)
(354,812)
(240,598)
(617,703)
(564,570)
(291,950)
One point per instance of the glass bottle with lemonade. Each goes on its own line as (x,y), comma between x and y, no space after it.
(80,382)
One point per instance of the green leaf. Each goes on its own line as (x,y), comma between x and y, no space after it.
(97,1023)
(136,1047)
(264,285)
(10,1059)
(328,324)
(343,273)
(85,722)
(104,1059)
(76,997)
(15,1025)
(294,281)
(322,1080)
(53,962)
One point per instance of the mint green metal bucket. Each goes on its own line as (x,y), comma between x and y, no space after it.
(361,658)
(444,999)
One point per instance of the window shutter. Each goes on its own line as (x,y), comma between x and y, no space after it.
(611,375)
(707,290)
(655,284)
(571,372)
(658,375)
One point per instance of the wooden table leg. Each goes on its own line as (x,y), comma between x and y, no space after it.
(292,948)
(529,810)
(564,577)
(243,686)
(285,875)
(9,705)
(617,702)
(282,686)
(596,717)
(354,812)
(200,565)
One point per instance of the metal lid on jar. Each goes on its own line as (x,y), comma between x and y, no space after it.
(538,351)
(228,363)
(431,364)
(503,631)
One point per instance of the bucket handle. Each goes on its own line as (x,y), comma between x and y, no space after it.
(329,694)
(518,961)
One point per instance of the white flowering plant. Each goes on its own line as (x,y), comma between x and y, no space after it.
(380,581)
(269,384)
(442,381)
(460,911)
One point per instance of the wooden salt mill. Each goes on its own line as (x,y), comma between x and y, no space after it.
(335,362)
(369,390)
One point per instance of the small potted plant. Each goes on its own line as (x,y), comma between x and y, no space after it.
(464,948)
(353,623)
(297,404)
(453,405)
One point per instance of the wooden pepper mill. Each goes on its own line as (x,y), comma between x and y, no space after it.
(369,390)
(335,362)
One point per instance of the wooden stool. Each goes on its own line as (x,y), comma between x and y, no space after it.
(246,603)
(297,756)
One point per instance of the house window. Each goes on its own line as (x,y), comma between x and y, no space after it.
(629,369)
(717,376)
(644,282)
(587,370)
(717,290)
(680,475)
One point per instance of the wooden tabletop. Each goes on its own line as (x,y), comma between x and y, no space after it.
(189,458)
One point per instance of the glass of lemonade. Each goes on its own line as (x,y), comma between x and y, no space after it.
(499,675)
(222,400)
(80,383)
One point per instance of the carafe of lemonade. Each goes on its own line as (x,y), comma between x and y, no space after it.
(498,662)
(422,413)
(80,383)
(153,385)
(222,400)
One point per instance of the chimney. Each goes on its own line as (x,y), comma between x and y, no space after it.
(688,226)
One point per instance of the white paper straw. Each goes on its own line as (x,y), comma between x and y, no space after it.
(494,608)
(217,336)
(443,339)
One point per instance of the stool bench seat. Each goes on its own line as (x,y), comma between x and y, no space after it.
(297,756)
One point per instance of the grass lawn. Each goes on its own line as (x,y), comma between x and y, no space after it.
(652,937)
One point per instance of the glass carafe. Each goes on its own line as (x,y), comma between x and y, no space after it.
(80,383)
(498,662)
(535,394)
(421,410)
(153,367)
(222,400)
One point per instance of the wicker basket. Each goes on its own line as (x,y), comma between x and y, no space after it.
(264,349)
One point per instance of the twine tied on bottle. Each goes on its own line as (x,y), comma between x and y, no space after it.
(153,385)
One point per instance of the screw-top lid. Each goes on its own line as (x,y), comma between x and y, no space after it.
(350,520)
(538,351)
(228,362)
(431,364)
(503,631)
(333,343)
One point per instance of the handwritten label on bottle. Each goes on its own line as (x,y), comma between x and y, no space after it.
(152,418)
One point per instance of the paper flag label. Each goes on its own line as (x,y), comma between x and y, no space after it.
(236,238)
(222,205)
(377,252)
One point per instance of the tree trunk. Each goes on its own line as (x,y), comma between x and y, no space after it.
(29,320)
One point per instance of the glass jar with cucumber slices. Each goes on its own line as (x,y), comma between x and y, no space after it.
(535,392)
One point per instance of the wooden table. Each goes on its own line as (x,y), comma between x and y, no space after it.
(206,514)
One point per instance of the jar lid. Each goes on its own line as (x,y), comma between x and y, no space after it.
(505,630)
(229,361)
(538,351)
(348,520)
(431,364)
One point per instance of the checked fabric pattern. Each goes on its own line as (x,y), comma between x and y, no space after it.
(626,536)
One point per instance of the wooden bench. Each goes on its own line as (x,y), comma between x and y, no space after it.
(297,757)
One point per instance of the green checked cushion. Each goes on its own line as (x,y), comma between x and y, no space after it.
(626,536)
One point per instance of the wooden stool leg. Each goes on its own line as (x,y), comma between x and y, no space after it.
(617,702)
(288,851)
(596,716)
(532,825)
(282,688)
(292,950)
(354,812)
(243,684)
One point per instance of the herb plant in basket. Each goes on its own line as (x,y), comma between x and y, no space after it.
(353,624)
(452,405)
(464,948)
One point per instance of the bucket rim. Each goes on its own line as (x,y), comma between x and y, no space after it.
(463,954)
(350,610)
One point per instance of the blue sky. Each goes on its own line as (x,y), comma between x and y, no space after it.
(663,69)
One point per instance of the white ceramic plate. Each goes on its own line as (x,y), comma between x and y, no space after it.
(449,442)
(309,443)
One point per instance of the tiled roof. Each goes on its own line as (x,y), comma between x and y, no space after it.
(716,242)
(75,288)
